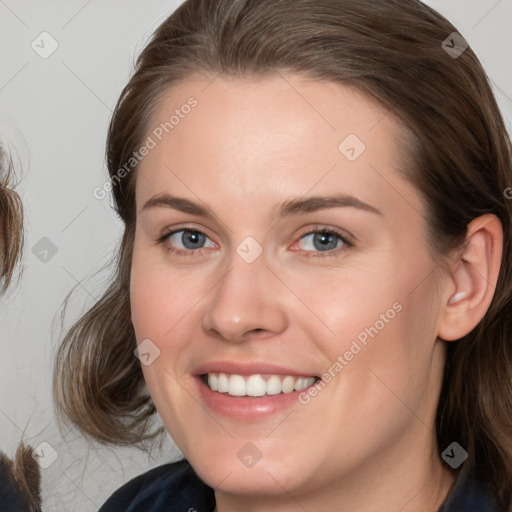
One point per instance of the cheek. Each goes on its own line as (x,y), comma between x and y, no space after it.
(384,319)
(160,297)
(147,298)
(357,305)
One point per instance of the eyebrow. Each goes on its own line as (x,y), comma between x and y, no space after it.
(290,207)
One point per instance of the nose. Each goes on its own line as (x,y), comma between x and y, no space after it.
(246,303)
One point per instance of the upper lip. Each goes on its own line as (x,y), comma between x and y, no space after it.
(248,368)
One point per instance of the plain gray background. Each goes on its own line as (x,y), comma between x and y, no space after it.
(55,112)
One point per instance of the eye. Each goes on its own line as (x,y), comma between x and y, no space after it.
(328,241)
(316,243)
(187,241)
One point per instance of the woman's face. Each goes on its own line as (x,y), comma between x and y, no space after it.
(276,243)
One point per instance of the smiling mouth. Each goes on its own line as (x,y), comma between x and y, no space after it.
(256,385)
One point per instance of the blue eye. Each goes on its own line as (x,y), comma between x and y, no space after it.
(317,243)
(190,239)
(324,242)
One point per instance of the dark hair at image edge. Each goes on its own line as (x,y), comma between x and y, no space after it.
(11,221)
(19,478)
(460,156)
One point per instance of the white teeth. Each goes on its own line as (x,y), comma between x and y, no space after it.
(256,385)
(274,385)
(213,382)
(288,384)
(237,386)
(299,385)
(223,386)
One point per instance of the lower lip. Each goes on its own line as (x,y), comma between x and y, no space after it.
(247,407)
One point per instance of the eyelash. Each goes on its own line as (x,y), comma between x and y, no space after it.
(346,239)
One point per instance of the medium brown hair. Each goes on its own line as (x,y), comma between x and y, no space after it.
(11,221)
(460,164)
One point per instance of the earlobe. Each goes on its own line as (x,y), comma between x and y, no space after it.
(473,279)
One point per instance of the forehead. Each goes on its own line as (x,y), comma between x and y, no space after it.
(263,138)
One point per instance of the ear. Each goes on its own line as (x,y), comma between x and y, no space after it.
(474,275)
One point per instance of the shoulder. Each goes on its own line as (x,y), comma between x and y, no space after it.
(173,486)
(470,495)
(11,496)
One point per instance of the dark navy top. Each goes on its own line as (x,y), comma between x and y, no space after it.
(175,487)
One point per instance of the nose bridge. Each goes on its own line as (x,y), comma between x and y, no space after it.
(245,299)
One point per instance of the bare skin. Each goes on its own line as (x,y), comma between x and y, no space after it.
(366,440)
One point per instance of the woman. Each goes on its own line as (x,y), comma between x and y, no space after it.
(315,269)
(19,479)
